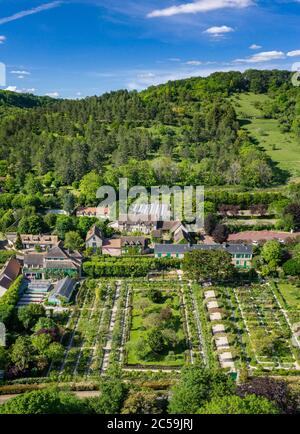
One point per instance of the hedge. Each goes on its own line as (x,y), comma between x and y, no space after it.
(128,267)
(9,300)
(5,255)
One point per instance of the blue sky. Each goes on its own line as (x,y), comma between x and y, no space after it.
(75,48)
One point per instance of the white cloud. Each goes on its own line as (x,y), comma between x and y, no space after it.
(193,62)
(200,6)
(32,11)
(255,47)
(17,72)
(53,94)
(11,88)
(217,31)
(265,56)
(295,53)
(2,39)
(17,90)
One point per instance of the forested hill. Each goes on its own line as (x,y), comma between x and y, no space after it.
(183,132)
(13,99)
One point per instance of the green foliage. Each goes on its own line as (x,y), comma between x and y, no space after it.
(9,300)
(251,404)
(22,353)
(198,385)
(112,395)
(5,255)
(272,252)
(46,401)
(30,314)
(208,264)
(292,267)
(156,341)
(73,241)
(141,403)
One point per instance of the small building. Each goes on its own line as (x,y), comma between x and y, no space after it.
(226,360)
(212,305)
(62,292)
(210,294)
(94,238)
(215,316)
(8,275)
(218,328)
(222,343)
(97,212)
(31,242)
(57,212)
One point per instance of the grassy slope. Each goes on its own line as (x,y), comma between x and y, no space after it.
(267,133)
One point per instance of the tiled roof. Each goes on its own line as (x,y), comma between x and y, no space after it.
(12,269)
(95,231)
(134,241)
(114,243)
(5,282)
(56,252)
(251,236)
(34,259)
(61,265)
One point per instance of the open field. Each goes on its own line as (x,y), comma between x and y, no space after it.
(283,148)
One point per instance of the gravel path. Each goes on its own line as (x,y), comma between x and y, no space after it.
(107,348)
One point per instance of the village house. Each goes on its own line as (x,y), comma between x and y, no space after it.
(94,238)
(131,226)
(31,242)
(8,275)
(133,245)
(171,231)
(125,246)
(168,231)
(98,212)
(241,254)
(55,262)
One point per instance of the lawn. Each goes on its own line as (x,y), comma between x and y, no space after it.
(291,294)
(144,313)
(283,148)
